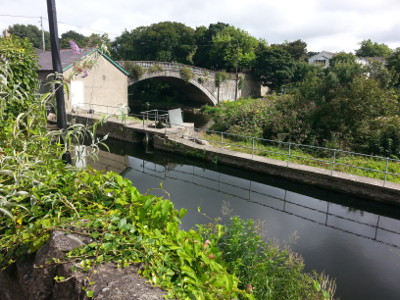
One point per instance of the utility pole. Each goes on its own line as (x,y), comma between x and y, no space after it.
(236,71)
(57,68)
(43,41)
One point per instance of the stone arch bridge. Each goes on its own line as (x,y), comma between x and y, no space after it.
(198,84)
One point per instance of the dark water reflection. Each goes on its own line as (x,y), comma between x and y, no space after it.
(356,242)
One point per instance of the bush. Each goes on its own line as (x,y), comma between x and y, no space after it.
(136,71)
(187,74)
(156,68)
(18,75)
(267,270)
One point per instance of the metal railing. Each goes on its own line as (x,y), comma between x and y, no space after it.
(155,117)
(333,160)
(92,108)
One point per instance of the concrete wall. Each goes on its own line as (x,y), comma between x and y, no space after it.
(104,86)
(296,173)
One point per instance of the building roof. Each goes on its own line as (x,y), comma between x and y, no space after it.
(68,57)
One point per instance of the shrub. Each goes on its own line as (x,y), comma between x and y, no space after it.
(187,74)
(18,75)
(136,71)
(266,269)
(156,68)
(220,77)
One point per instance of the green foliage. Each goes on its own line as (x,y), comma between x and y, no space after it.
(31,32)
(78,38)
(373,49)
(164,41)
(266,269)
(297,50)
(244,116)
(18,77)
(220,77)
(136,71)
(204,36)
(156,68)
(235,48)
(187,73)
(342,57)
(273,66)
(39,194)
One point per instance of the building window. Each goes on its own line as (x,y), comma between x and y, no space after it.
(320,61)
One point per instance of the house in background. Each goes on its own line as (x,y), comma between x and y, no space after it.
(321,58)
(100,88)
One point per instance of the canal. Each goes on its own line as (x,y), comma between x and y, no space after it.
(354,241)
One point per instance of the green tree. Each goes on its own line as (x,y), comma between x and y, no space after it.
(235,48)
(342,57)
(96,40)
(373,49)
(273,66)
(204,39)
(393,64)
(32,33)
(78,38)
(297,49)
(165,41)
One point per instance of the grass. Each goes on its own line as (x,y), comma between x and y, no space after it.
(372,167)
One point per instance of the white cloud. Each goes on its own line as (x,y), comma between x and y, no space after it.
(324,24)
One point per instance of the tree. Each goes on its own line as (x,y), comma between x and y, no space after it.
(342,57)
(273,66)
(297,49)
(78,38)
(31,32)
(165,41)
(234,48)
(393,64)
(373,49)
(204,39)
(96,40)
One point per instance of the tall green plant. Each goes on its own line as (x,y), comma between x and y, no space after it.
(18,76)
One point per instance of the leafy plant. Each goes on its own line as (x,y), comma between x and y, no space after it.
(136,71)
(266,269)
(187,74)
(156,68)
(220,77)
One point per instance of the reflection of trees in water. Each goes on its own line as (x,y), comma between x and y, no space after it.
(355,222)
(354,210)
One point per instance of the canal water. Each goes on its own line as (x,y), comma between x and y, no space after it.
(354,241)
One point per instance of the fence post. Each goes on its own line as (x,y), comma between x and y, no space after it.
(222,137)
(333,161)
(252,147)
(288,160)
(386,171)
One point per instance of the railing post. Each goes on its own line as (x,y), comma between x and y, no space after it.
(252,147)
(386,171)
(288,160)
(333,161)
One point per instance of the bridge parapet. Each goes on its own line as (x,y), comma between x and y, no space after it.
(175,67)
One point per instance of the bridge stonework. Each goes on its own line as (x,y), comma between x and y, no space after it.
(197,83)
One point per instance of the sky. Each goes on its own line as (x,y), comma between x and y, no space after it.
(330,25)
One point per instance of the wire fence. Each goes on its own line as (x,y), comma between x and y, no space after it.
(333,160)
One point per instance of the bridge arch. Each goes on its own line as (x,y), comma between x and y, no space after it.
(196,82)
(191,88)
(200,85)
